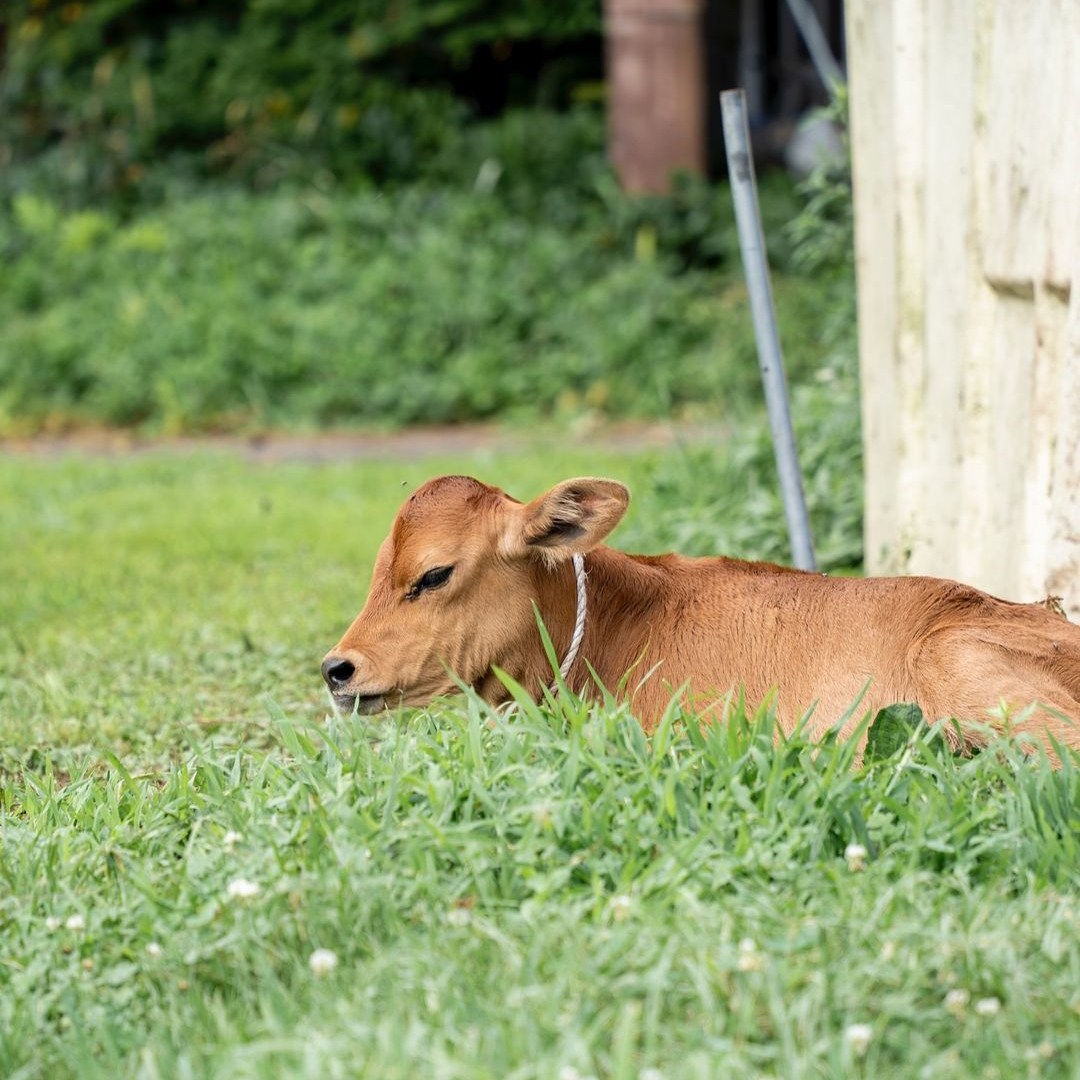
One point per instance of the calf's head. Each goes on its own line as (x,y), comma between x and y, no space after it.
(454,584)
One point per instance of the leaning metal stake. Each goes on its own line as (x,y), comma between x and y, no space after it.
(770,360)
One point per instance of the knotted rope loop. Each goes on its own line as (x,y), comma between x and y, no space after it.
(579,624)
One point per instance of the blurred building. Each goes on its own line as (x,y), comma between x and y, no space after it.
(667,62)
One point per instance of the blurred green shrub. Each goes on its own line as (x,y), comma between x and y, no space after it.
(822,231)
(726,500)
(234,310)
(95,95)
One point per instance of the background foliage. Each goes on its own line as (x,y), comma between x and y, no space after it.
(95,98)
(430,303)
(259,215)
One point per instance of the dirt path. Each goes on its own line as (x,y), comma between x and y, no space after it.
(407,445)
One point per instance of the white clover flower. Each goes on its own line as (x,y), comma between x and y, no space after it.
(568,1072)
(458,916)
(52,923)
(858,1037)
(956,1001)
(855,854)
(153,950)
(231,839)
(621,907)
(242,889)
(75,922)
(988,1006)
(749,957)
(323,961)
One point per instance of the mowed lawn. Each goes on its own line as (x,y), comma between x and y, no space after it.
(534,892)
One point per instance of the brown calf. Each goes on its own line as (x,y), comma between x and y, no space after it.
(456,580)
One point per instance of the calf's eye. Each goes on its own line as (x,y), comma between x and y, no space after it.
(431,580)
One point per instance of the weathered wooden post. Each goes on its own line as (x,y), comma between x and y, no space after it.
(967,214)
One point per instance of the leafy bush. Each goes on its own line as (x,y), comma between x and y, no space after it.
(822,232)
(230,310)
(693,224)
(92,95)
(726,501)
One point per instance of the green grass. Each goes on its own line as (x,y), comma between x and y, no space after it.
(540,893)
(147,595)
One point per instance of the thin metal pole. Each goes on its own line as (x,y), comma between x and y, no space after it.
(816,44)
(756,269)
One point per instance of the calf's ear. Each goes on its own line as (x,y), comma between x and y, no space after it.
(571,519)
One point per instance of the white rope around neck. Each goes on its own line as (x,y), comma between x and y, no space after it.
(579,624)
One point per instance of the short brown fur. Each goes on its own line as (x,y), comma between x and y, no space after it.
(707,628)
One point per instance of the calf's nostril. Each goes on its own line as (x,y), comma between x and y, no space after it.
(337,672)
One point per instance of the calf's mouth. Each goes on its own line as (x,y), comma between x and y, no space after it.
(363,704)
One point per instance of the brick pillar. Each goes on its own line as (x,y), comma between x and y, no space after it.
(656,90)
